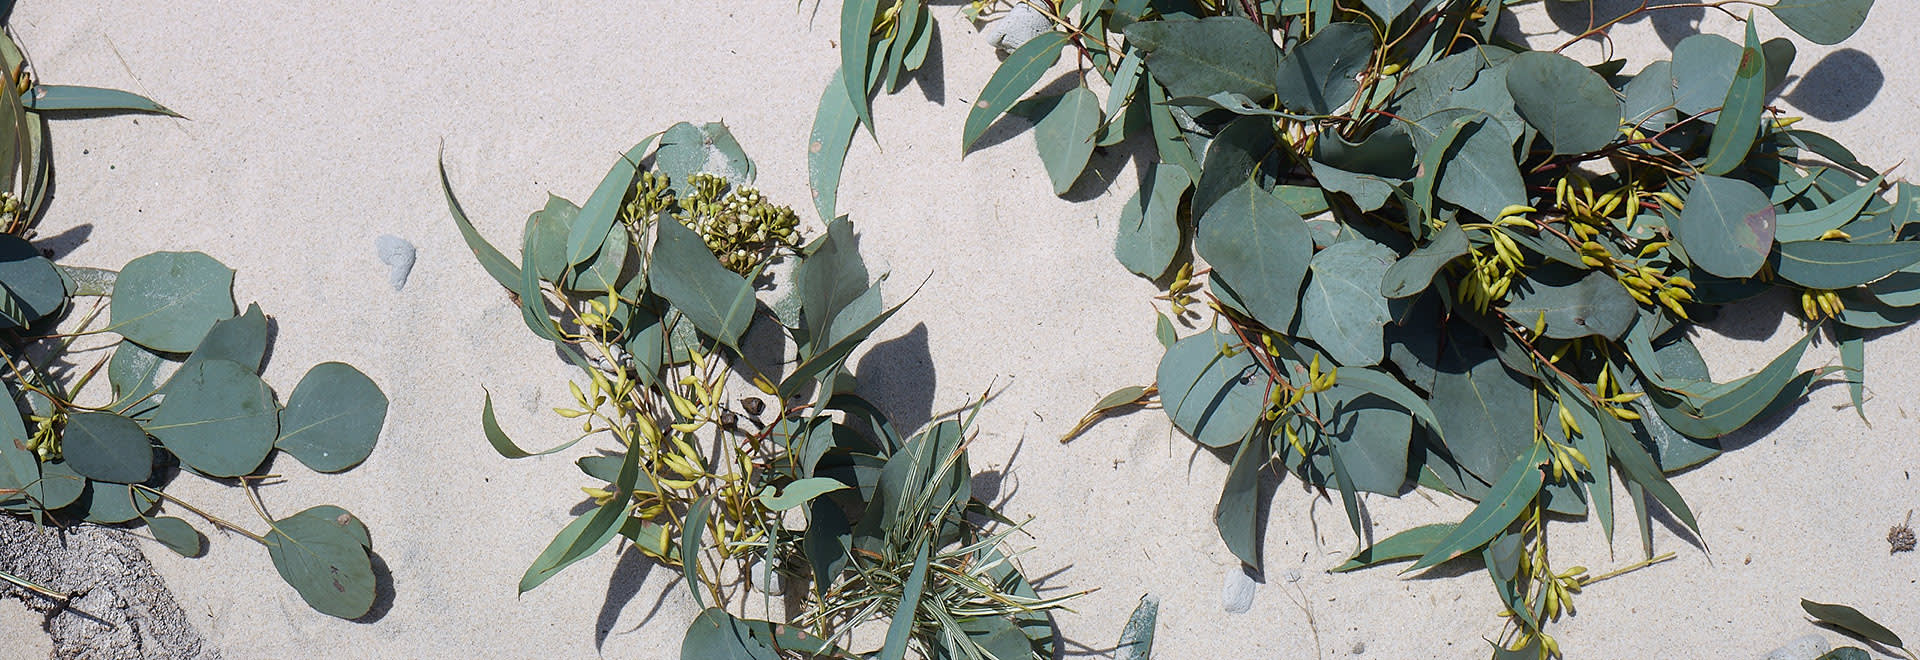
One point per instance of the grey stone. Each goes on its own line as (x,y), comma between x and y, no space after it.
(1809,647)
(1019,26)
(398,254)
(1236,596)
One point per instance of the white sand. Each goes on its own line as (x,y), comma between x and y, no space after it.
(314,130)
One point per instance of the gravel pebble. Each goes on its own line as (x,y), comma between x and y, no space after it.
(1018,27)
(1236,596)
(398,254)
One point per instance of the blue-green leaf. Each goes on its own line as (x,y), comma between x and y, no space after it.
(1825,22)
(834,124)
(1839,264)
(1208,56)
(1321,74)
(1066,135)
(107,447)
(1149,234)
(1214,397)
(1727,226)
(1342,308)
(718,301)
(1259,248)
(333,418)
(602,209)
(1406,544)
(56,98)
(219,418)
(1015,76)
(1504,504)
(1740,115)
(1573,107)
(167,301)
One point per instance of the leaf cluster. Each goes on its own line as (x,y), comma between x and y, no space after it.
(1436,258)
(183,372)
(799,482)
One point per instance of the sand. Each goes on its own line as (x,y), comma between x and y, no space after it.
(313,131)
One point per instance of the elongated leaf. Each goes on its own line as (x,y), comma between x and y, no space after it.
(900,629)
(1838,264)
(1208,56)
(58,98)
(718,301)
(333,418)
(1727,226)
(1136,638)
(1065,137)
(497,265)
(1740,115)
(107,447)
(1509,497)
(1851,620)
(1573,107)
(1825,22)
(589,532)
(1236,515)
(1342,308)
(1011,81)
(219,418)
(691,533)
(1811,225)
(834,354)
(167,301)
(1213,397)
(1120,398)
(1321,74)
(834,124)
(857,55)
(1853,356)
(602,209)
(1639,469)
(1260,249)
(1739,402)
(503,444)
(325,561)
(1406,544)
(798,493)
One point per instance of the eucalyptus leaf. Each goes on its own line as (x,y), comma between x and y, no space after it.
(333,418)
(76,98)
(1211,55)
(1321,74)
(1254,240)
(1136,637)
(167,301)
(1016,75)
(325,561)
(1740,115)
(177,535)
(1839,264)
(1342,307)
(1727,226)
(219,418)
(1572,106)
(1594,305)
(1066,137)
(1211,391)
(1509,497)
(107,447)
(1149,235)
(1851,620)
(1825,22)
(718,301)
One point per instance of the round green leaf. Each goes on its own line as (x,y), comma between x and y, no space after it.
(1213,397)
(1726,227)
(1703,69)
(1342,308)
(1321,74)
(1259,248)
(325,561)
(1573,107)
(177,535)
(333,418)
(1591,305)
(167,301)
(59,485)
(107,447)
(30,286)
(1200,58)
(219,418)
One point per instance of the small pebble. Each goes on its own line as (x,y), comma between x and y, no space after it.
(398,255)
(1810,647)
(1236,597)
(1018,27)
(767,580)
(1359,648)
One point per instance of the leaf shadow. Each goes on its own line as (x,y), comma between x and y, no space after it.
(1022,116)
(899,377)
(1839,86)
(58,246)
(1671,24)
(629,575)
(383,591)
(931,77)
